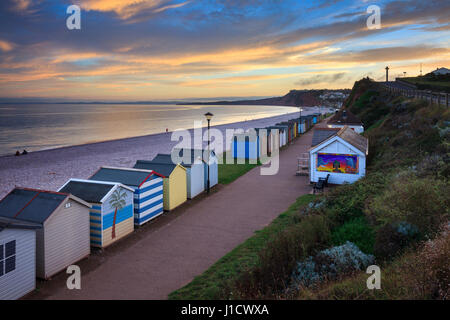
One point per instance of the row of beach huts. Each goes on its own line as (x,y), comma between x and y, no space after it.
(43,232)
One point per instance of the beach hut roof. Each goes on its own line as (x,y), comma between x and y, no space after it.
(320,135)
(33,205)
(348,135)
(126,176)
(163,168)
(11,223)
(167,158)
(91,190)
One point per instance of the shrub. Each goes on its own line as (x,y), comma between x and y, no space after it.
(357,231)
(421,202)
(389,241)
(330,264)
(268,278)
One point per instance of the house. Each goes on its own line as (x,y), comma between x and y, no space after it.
(63,238)
(147,186)
(17,258)
(343,118)
(341,153)
(174,181)
(441,71)
(112,211)
(194,170)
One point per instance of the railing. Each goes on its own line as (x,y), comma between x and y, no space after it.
(440,98)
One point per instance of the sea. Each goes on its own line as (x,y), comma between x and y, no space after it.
(34,127)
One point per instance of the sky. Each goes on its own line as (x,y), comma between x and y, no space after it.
(136,50)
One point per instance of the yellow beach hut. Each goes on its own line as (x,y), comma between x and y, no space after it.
(175,181)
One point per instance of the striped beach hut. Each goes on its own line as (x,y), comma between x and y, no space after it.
(112,212)
(63,238)
(175,181)
(194,170)
(147,186)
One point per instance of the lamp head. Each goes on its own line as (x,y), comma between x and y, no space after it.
(208,115)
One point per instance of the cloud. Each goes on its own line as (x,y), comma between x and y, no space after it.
(320,78)
(6,46)
(126,9)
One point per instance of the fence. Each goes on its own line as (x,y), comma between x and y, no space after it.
(440,98)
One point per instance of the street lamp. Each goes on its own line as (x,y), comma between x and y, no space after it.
(208,116)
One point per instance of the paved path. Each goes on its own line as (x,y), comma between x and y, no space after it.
(167,255)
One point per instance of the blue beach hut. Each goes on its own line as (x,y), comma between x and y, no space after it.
(112,211)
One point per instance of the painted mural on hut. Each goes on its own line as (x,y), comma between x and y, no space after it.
(337,163)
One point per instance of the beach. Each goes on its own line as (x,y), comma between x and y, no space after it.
(50,169)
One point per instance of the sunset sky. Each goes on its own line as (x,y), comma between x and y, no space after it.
(169,49)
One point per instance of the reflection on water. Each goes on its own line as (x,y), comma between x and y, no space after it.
(43,126)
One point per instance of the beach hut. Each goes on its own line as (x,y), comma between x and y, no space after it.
(63,238)
(343,118)
(112,211)
(282,134)
(17,258)
(265,141)
(339,153)
(194,170)
(290,129)
(175,181)
(210,161)
(287,131)
(147,186)
(245,146)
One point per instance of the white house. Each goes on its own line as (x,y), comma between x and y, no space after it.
(340,153)
(17,258)
(441,71)
(343,118)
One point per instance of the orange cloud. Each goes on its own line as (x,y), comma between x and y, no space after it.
(126,9)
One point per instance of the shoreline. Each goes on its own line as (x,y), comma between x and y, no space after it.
(50,169)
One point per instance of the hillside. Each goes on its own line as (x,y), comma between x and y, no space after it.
(396,217)
(306,98)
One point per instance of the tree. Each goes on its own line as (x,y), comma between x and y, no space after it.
(117,202)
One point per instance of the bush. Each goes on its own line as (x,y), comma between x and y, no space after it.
(420,202)
(357,231)
(389,242)
(330,264)
(269,277)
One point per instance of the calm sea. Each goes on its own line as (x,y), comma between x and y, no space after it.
(46,126)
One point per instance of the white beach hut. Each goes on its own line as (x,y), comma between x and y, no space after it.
(340,153)
(64,237)
(17,258)
(194,170)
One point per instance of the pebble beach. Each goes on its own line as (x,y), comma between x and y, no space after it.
(50,169)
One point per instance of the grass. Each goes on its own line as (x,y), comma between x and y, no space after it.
(211,283)
(230,172)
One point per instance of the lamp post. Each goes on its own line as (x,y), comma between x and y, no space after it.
(208,116)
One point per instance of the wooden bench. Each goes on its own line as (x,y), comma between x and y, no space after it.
(321,184)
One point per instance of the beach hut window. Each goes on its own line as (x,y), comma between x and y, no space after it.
(7,257)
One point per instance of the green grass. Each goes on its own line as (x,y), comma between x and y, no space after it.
(211,283)
(230,172)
